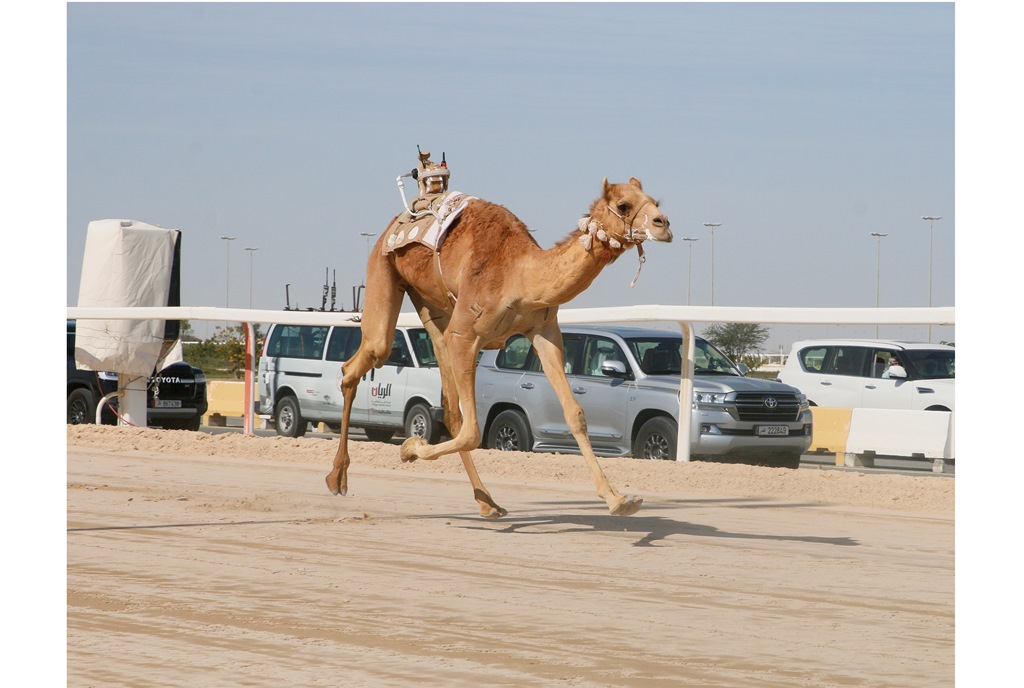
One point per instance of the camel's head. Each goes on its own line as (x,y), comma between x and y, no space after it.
(630,215)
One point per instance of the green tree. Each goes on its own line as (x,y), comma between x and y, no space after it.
(224,352)
(737,340)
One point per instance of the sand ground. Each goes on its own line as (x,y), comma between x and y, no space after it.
(202,560)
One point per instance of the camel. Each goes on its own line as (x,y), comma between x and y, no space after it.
(489,280)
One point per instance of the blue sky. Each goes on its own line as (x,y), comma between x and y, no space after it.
(802,128)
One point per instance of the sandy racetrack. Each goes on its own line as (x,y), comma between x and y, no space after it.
(222,560)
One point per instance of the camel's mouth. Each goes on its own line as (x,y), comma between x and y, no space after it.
(663,234)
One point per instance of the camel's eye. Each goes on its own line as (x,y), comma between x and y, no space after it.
(623,207)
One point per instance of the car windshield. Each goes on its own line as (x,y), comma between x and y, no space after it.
(663,356)
(931,364)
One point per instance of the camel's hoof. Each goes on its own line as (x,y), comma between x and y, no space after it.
(495,512)
(333,487)
(336,487)
(408,450)
(628,506)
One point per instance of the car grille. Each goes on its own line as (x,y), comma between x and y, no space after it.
(753,407)
(186,390)
(177,382)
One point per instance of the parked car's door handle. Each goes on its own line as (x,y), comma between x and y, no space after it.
(579,390)
(527,385)
(826,383)
(870,387)
(925,390)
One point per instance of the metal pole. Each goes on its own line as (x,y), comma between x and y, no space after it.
(368,235)
(712,225)
(227,269)
(689,269)
(251,250)
(878,271)
(931,227)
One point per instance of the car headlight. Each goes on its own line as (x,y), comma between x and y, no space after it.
(715,398)
(108,376)
(801,399)
(200,376)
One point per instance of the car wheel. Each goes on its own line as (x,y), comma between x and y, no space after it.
(378,434)
(81,407)
(418,423)
(510,432)
(287,418)
(657,440)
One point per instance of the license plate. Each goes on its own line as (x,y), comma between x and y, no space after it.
(168,403)
(773,430)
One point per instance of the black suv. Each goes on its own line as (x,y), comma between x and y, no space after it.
(176,396)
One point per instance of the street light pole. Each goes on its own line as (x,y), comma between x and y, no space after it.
(931,226)
(227,269)
(712,226)
(689,270)
(367,235)
(878,271)
(251,251)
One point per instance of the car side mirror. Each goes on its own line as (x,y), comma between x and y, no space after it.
(612,368)
(742,367)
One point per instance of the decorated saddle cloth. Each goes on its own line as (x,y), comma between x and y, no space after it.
(428,223)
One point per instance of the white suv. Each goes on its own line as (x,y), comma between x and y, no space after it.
(873,373)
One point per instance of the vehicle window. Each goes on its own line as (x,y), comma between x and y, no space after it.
(515,353)
(661,356)
(344,343)
(881,360)
(297,341)
(518,354)
(708,360)
(848,360)
(399,351)
(596,351)
(931,364)
(571,347)
(423,347)
(813,359)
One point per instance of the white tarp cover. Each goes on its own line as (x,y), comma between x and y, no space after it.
(126,263)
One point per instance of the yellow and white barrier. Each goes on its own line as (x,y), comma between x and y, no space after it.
(226,399)
(857,436)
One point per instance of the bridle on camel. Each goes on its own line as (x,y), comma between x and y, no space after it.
(631,235)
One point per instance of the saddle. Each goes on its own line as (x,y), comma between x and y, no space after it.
(428,222)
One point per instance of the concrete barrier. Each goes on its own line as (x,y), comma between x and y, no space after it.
(857,436)
(831,429)
(890,432)
(226,400)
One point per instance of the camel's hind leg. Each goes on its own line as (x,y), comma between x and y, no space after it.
(435,322)
(380,314)
(548,345)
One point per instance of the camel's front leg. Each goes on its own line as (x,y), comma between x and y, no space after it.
(548,344)
(352,371)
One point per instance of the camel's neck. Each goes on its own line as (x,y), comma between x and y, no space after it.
(563,272)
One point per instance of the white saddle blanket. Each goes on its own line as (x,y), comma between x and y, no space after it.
(430,229)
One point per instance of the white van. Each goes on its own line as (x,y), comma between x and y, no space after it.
(299,381)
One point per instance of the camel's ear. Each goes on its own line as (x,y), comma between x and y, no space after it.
(605,188)
(636,182)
